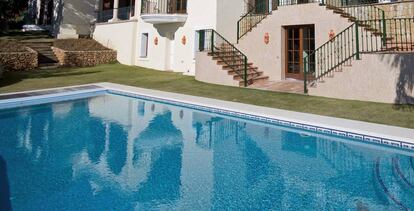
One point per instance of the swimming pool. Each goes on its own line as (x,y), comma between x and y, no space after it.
(114,152)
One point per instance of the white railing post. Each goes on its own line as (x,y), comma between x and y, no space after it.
(270,6)
(115,11)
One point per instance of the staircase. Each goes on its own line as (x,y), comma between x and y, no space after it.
(229,58)
(370,32)
(46,57)
(394,179)
(254,17)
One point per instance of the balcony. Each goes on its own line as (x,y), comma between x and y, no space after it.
(123,13)
(164,11)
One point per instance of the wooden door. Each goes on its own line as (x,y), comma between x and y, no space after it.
(300,41)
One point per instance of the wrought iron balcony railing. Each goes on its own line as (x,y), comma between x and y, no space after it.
(164,7)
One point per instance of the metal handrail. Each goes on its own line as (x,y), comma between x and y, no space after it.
(212,42)
(396,34)
(253,17)
(346,45)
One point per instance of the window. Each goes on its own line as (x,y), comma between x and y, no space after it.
(144,45)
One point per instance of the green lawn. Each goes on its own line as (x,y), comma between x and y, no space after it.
(173,82)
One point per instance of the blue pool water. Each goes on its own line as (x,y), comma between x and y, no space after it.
(117,153)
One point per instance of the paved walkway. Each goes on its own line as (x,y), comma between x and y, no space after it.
(288,85)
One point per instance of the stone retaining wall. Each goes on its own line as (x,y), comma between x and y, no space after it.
(19,60)
(84,58)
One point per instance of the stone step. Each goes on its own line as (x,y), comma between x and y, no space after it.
(371,29)
(47,54)
(225,54)
(43,41)
(346,15)
(47,66)
(42,51)
(249,75)
(40,48)
(44,60)
(51,55)
(249,69)
(233,72)
(46,45)
(233,63)
(229,64)
(220,58)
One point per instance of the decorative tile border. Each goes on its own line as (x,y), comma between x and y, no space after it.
(306,127)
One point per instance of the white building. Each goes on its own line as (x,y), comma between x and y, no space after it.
(316,47)
(161,34)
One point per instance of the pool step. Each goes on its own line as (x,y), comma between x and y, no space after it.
(390,186)
(403,172)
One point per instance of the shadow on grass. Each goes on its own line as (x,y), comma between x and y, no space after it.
(19,35)
(404,108)
(10,78)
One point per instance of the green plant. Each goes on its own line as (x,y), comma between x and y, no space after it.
(11,12)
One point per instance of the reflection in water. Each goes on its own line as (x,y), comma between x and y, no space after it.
(96,146)
(112,152)
(299,143)
(116,156)
(165,143)
(4,186)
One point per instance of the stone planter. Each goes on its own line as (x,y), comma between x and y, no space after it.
(15,61)
(84,58)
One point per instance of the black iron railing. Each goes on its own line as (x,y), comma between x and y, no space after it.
(164,7)
(399,34)
(361,37)
(253,17)
(217,46)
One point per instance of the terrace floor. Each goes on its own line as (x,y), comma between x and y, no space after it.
(288,85)
(402,116)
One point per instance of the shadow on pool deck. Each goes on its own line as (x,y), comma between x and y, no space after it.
(5,203)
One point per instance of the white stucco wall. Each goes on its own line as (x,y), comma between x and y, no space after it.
(201,15)
(120,37)
(228,13)
(270,58)
(171,54)
(380,77)
(208,71)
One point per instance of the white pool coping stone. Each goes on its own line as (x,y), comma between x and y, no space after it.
(364,131)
